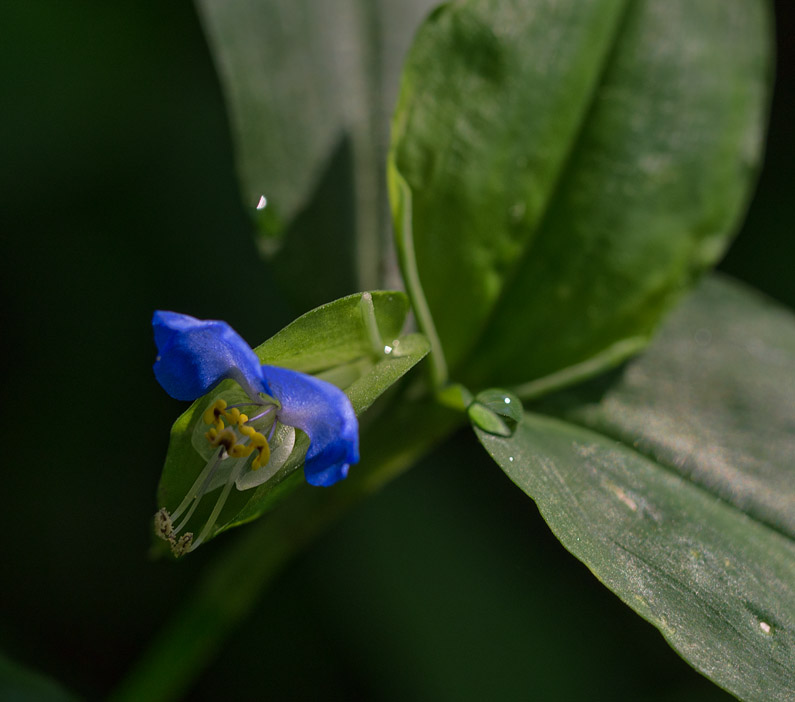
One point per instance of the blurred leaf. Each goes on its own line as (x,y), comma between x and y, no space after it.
(719,586)
(713,398)
(19,684)
(335,342)
(309,86)
(570,167)
(683,503)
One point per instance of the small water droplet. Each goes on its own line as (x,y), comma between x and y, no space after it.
(387,349)
(263,202)
(764,626)
(510,458)
(507,400)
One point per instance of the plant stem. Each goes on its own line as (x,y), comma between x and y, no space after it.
(404,238)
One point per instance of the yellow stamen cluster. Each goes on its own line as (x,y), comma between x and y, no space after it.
(222,435)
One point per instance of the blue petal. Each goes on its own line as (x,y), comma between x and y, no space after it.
(325,413)
(194,355)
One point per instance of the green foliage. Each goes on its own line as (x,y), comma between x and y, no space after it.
(309,86)
(682,502)
(713,399)
(560,174)
(562,171)
(552,200)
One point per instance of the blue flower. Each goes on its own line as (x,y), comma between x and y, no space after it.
(195,355)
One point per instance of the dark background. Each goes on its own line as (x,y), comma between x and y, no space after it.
(119,197)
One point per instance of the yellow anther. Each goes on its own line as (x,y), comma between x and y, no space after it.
(240,451)
(258,439)
(213,414)
(226,438)
(212,432)
(242,419)
(248,431)
(232,415)
(262,457)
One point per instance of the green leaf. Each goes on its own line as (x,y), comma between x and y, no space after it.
(336,333)
(561,171)
(683,502)
(718,585)
(353,341)
(713,398)
(308,86)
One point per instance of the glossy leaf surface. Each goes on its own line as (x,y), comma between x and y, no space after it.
(712,398)
(570,167)
(673,504)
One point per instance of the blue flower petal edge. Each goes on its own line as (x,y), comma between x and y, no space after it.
(325,414)
(195,355)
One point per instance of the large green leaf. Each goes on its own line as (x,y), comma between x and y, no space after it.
(309,86)
(560,171)
(713,398)
(352,342)
(683,502)
(718,585)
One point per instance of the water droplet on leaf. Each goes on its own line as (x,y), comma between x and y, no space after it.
(490,422)
(496,412)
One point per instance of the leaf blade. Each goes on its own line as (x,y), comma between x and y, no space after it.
(584,217)
(656,483)
(668,549)
(713,399)
(307,86)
